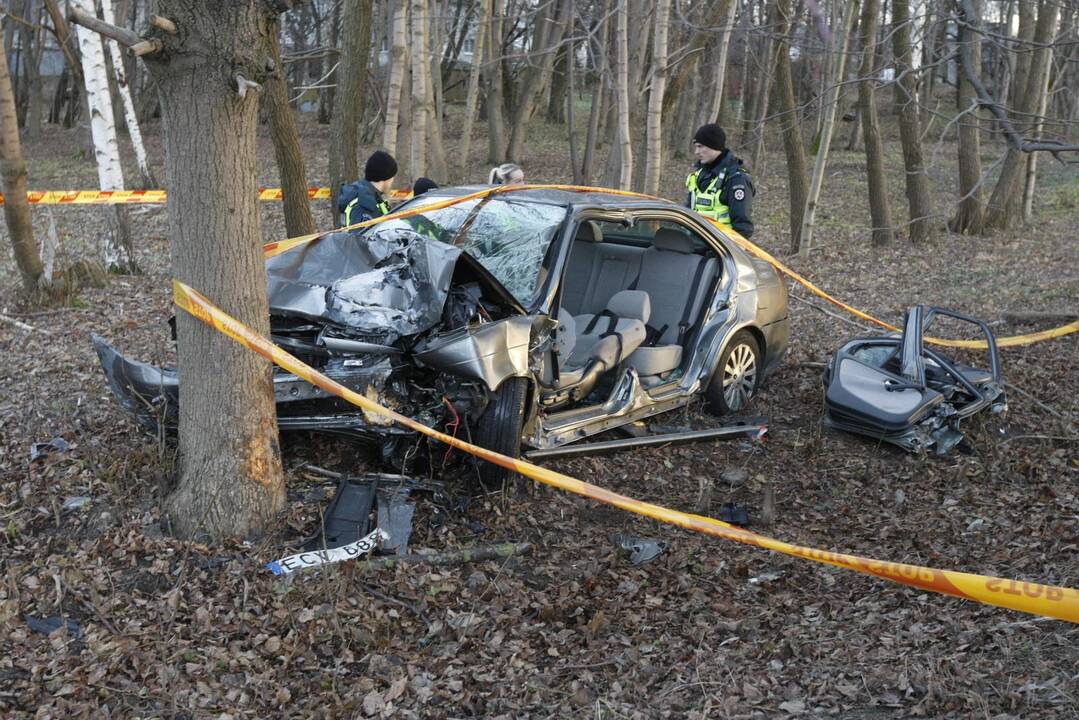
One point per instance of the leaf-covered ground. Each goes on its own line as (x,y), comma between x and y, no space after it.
(165,628)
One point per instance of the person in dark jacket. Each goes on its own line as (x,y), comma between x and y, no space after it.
(719,186)
(422,185)
(363,200)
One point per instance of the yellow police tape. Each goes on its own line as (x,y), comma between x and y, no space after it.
(1035,598)
(1010,341)
(278,247)
(155,197)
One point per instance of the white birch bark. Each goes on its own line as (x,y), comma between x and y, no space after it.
(625,141)
(116,246)
(133,131)
(721,67)
(840,43)
(398,64)
(654,123)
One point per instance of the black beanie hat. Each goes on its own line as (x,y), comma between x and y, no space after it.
(380,166)
(423,185)
(711,135)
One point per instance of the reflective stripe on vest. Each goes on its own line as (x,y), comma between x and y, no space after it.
(706,202)
(382,205)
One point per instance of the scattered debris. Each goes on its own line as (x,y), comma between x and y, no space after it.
(42,451)
(739,427)
(734,476)
(76,502)
(49,625)
(734,514)
(641,550)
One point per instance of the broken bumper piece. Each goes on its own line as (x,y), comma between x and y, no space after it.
(151,394)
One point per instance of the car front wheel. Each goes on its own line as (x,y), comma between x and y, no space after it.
(499,429)
(736,377)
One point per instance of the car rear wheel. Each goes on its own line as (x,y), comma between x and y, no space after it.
(737,376)
(499,429)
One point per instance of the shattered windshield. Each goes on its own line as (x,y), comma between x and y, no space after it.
(510,239)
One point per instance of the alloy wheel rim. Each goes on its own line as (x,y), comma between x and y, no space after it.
(739,377)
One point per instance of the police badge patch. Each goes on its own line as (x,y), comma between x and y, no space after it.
(739,194)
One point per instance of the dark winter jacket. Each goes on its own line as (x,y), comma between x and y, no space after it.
(737,191)
(369,203)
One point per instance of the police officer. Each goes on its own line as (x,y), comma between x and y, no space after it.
(719,186)
(362,200)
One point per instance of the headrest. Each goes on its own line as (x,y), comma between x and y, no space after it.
(631,305)
(671,240)
(589,231)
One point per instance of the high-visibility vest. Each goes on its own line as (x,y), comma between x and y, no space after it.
(706,201)
(382,205)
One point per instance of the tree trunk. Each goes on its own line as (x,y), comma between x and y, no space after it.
(494,96)
(327,96)
(760,106)
(1032,158)
(344,123)
(117,248)
(1005,204)
(654,129)
(398,65)
(783,102)
(722,54)
(970,214)
(545,39)
(879,205)
(910,126)
(437,165)
(229,463)
(625,176)
(420,110)
(133,131)
(840,43)
(13,170)
(32,52)
(556,103)
(472,96)
(287,150)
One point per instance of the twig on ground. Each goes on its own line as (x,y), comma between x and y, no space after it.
(828,312)
(20,324)
(1036,401)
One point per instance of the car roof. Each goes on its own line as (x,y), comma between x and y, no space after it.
(564,198)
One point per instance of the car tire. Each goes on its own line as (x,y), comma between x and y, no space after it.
(499,429)
(737,376)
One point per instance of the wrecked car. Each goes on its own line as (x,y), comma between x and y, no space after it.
(540,317)
(896,389)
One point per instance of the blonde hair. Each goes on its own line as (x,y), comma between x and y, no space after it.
(503,174)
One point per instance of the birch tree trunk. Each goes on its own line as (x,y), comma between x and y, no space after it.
(420,110)
(398,65)
(919,199)
(625,178)
(286,147)
(970,214)
(654,126)
(132,120)
(116,247)
(472,96)
(783,101)
(13,170)
(1032,158)
(880,207)
(840,43)
(352,77)
(715,108)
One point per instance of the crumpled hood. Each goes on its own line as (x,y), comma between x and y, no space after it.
(387,279)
